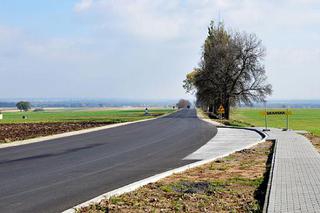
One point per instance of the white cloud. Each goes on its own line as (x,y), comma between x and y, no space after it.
(147,20)
(126,38)
(83,5)
(60,50)
(165,20)
(287,28)
(16,44)
(157,19)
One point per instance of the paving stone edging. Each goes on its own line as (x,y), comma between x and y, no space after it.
(296,173)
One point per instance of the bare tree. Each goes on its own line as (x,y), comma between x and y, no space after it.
(230,71)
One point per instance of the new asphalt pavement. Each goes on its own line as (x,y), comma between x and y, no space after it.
(54,175)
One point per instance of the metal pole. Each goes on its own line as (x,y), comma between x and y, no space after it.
(265,116)
(287,119)
(265,119)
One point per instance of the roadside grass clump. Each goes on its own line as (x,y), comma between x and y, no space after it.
(224,185)
(221,167)
(234,123)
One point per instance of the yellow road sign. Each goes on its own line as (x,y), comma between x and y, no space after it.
(221,110)
(276,112)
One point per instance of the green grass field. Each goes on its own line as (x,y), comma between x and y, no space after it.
(76,115)
(302,119)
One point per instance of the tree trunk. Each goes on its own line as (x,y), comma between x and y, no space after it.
(211,108)
(215,109)
(227,109)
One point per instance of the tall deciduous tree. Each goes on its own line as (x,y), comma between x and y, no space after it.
(230,71)
(182,103)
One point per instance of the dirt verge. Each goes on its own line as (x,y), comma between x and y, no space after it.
(315,140)
(236,183)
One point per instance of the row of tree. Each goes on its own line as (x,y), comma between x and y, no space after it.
(230,71)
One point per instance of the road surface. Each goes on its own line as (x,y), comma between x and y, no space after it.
(55,175)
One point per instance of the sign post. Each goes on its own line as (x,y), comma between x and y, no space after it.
(265,117)
(146,111)
(286,112)
(221,111)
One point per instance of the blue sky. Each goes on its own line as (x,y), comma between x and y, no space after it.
(142,49)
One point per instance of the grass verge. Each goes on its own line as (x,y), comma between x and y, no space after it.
(229,122)
(236,183)
(234,123)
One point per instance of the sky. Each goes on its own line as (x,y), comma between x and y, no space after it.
(142,49)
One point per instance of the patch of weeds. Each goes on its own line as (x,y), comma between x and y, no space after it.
(256,182)
(116,200)
(166,188)
(246,165)
(101,208)
(235,123)
(228,158)
(219,167)
(247,151)
(254,206)
(94,208)
(177,205)
(207,188)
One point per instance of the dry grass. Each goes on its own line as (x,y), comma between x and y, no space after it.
(315,140)
(232,184)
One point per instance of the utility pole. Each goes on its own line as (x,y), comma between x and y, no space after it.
(265,116)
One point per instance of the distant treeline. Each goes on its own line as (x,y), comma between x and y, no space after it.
(95,103)
(290,104)
(76,104)
(7,104)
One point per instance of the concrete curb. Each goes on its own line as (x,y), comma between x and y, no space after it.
(152,179)
(267,197)
(73,133)
(262,134)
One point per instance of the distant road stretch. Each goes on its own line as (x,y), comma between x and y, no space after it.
(55,175)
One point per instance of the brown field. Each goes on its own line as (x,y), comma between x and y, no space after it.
(22,131)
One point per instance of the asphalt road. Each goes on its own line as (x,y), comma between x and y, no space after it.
(55,175)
